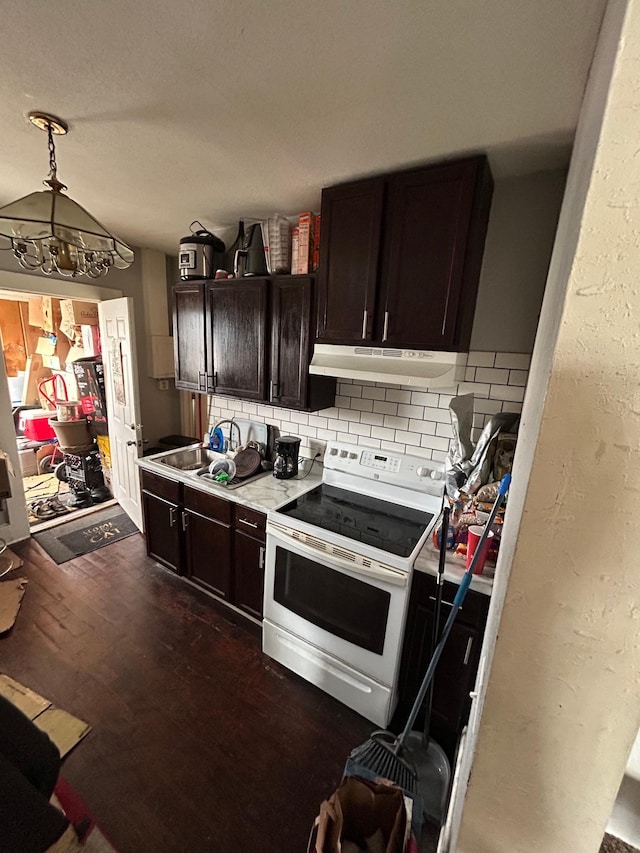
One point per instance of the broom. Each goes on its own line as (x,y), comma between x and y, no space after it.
(382,753)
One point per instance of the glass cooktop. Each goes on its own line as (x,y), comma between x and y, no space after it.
(380,524)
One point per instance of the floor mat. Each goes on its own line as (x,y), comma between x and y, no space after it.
(86,534)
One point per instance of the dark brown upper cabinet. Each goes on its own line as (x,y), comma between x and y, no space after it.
(290,383)
(188,327)
(401,254)
(236,337)
(249,338)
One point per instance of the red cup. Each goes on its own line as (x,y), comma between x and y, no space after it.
(473,537)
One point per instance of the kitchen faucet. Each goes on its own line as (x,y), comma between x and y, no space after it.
(233,424)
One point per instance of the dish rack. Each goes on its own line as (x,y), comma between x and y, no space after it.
(276,238)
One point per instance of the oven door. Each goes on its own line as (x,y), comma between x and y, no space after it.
(354,614)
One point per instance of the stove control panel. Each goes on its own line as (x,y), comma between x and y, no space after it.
(381,461)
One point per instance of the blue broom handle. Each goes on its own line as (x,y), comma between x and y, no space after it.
(457,604)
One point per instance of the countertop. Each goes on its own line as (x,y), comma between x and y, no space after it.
(267,493)
(263,494)
(454,568)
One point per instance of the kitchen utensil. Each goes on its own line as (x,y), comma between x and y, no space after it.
(382,753)
(285,465)
(200,254)
(248,256)
(226,465)
(247,461)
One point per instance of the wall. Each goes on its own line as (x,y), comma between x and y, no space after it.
(563,702)
(394,417)
(524,215)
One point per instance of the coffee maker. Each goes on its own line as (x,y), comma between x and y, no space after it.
(285,465)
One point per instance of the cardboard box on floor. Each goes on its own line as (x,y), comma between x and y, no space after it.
(76,313)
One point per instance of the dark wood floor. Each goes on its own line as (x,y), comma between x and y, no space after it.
(199,741)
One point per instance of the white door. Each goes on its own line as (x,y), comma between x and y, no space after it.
(117,334)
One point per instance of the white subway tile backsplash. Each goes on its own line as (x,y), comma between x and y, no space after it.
(493,375)
(406,411)
(487,407)
(478,389)
(349,390)
(371,418)
(481,359)
(359,429)
(385,408)
(444,430)
(409,438)
(384,433)
(373,393)
(516,360)
(423,427)
(396,423)
(518,377)
(435,442)
(315,421)
(362,405)
(398,395)
(423,398)
(396,418)
(507,392)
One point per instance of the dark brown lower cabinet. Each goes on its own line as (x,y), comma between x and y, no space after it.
(458,666)
(217,544)
(249,553)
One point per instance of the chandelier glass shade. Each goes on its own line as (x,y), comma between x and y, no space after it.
(49,232)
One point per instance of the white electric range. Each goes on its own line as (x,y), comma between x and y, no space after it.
(338,572)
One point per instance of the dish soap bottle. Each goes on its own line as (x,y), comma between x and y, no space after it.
(216,440)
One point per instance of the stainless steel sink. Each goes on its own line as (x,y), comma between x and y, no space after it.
(190,459)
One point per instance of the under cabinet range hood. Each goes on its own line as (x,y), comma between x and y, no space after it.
(421,368)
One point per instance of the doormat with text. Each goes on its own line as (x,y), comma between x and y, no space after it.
(86,534)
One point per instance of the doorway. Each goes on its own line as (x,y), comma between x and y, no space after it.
(52,359)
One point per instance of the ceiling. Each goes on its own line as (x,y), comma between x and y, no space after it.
(216,109)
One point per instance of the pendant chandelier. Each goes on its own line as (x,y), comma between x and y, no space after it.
(50,232)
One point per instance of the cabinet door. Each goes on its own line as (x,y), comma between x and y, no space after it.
(249,574)
(435,228)
(188,336)
(208,553)
(290,341)
(162,530)
(236,331)
(457,668)
(351,232)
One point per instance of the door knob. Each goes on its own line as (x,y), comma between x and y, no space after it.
(131,443)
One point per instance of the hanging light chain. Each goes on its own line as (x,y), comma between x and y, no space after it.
(53,166)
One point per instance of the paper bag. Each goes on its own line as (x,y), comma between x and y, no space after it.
(362,815)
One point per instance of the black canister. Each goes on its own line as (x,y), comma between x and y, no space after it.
(201,254)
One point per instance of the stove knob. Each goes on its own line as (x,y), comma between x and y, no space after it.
(436,475)
(343,454)
(333,451)
(353,456)
(423,472)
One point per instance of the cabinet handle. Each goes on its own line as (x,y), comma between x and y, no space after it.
(467,654)
(209,382)
(385,331)
(365,317)
(202,381)
(448,603)
(172,516)
(248,523)
(273,394)
(185,521)
(261,558)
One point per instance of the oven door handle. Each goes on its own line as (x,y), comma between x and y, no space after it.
(387,574)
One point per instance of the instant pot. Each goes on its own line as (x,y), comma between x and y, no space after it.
(201,254)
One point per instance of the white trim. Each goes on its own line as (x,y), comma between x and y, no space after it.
(43,286)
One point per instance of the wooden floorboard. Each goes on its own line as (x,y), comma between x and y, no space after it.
(199,742)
